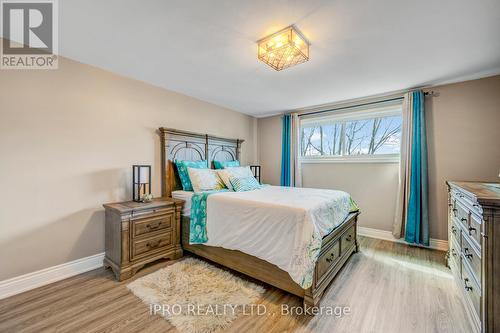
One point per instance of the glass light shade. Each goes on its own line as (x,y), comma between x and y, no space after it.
(141,182)
(285,48)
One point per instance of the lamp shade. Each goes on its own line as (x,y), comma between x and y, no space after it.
(141,181)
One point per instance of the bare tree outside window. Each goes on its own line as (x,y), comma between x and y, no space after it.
(373,136)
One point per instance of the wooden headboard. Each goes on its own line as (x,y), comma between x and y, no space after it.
(182,145)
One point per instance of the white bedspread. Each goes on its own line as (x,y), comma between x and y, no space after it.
(282,225)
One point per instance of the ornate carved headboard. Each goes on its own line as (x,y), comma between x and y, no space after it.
(182,145)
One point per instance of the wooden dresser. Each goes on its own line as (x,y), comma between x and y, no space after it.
(474,249)
(139,233)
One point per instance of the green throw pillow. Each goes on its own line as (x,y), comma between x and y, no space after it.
(242,184)
(226,164)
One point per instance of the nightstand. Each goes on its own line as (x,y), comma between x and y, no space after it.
(139,233)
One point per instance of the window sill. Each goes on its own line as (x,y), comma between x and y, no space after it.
(351,159)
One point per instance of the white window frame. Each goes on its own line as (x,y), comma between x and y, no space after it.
(352,114)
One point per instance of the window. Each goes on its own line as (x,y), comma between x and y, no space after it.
(358,134)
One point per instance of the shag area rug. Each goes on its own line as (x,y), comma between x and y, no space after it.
(195,296)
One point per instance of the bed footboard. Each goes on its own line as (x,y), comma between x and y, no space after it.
(336,250)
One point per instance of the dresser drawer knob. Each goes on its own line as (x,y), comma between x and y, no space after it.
(471,229)
(453,252)
(468,255)
(454,230)
(466,286)
(348,238)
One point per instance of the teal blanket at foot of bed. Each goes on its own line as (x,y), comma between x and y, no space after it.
(198,223)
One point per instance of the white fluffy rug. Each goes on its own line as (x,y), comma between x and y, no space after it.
(196,296)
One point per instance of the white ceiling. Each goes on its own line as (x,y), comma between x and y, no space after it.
(206,49)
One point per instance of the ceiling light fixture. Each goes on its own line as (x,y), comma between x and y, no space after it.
(285,48)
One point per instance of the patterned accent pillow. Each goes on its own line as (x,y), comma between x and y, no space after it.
(226,164)
(235,172)
(182,168)
(242,184)
(205,180)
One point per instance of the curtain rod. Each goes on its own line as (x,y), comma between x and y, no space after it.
(427,93)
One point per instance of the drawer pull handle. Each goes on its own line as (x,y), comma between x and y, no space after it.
(152,226)
(467,287)
(471,229)
(463,219)
(454,230)
(332,256)
(468,255)
(348,238)
(453,252)
(153,245)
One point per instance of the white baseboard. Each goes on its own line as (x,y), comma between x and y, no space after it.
(49,275)
(437,244)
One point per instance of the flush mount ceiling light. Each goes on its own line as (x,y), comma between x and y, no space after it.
(285,48)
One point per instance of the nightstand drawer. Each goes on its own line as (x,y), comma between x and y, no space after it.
(153,224)
(151,245)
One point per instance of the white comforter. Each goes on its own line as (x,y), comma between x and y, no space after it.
(282,225)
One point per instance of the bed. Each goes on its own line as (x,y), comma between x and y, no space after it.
(270,208)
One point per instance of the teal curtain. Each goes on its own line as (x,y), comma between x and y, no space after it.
(286,151)
(417,221)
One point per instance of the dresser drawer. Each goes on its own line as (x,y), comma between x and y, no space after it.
(472,258)
(327,260)
(456,233)
(145,247)
(455,258)
(474,229)
(347,240)
(461,213)
(151,224)
(472,290)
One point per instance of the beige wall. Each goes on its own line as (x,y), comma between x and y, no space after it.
(269,143)
(463,124)
(68,139)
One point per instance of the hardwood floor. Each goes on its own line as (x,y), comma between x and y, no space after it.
(388,287)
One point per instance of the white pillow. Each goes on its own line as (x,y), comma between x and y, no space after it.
(234,172)
(205,180)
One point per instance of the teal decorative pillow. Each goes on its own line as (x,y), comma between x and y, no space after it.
(241,184)
(182,168)
(226,164)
